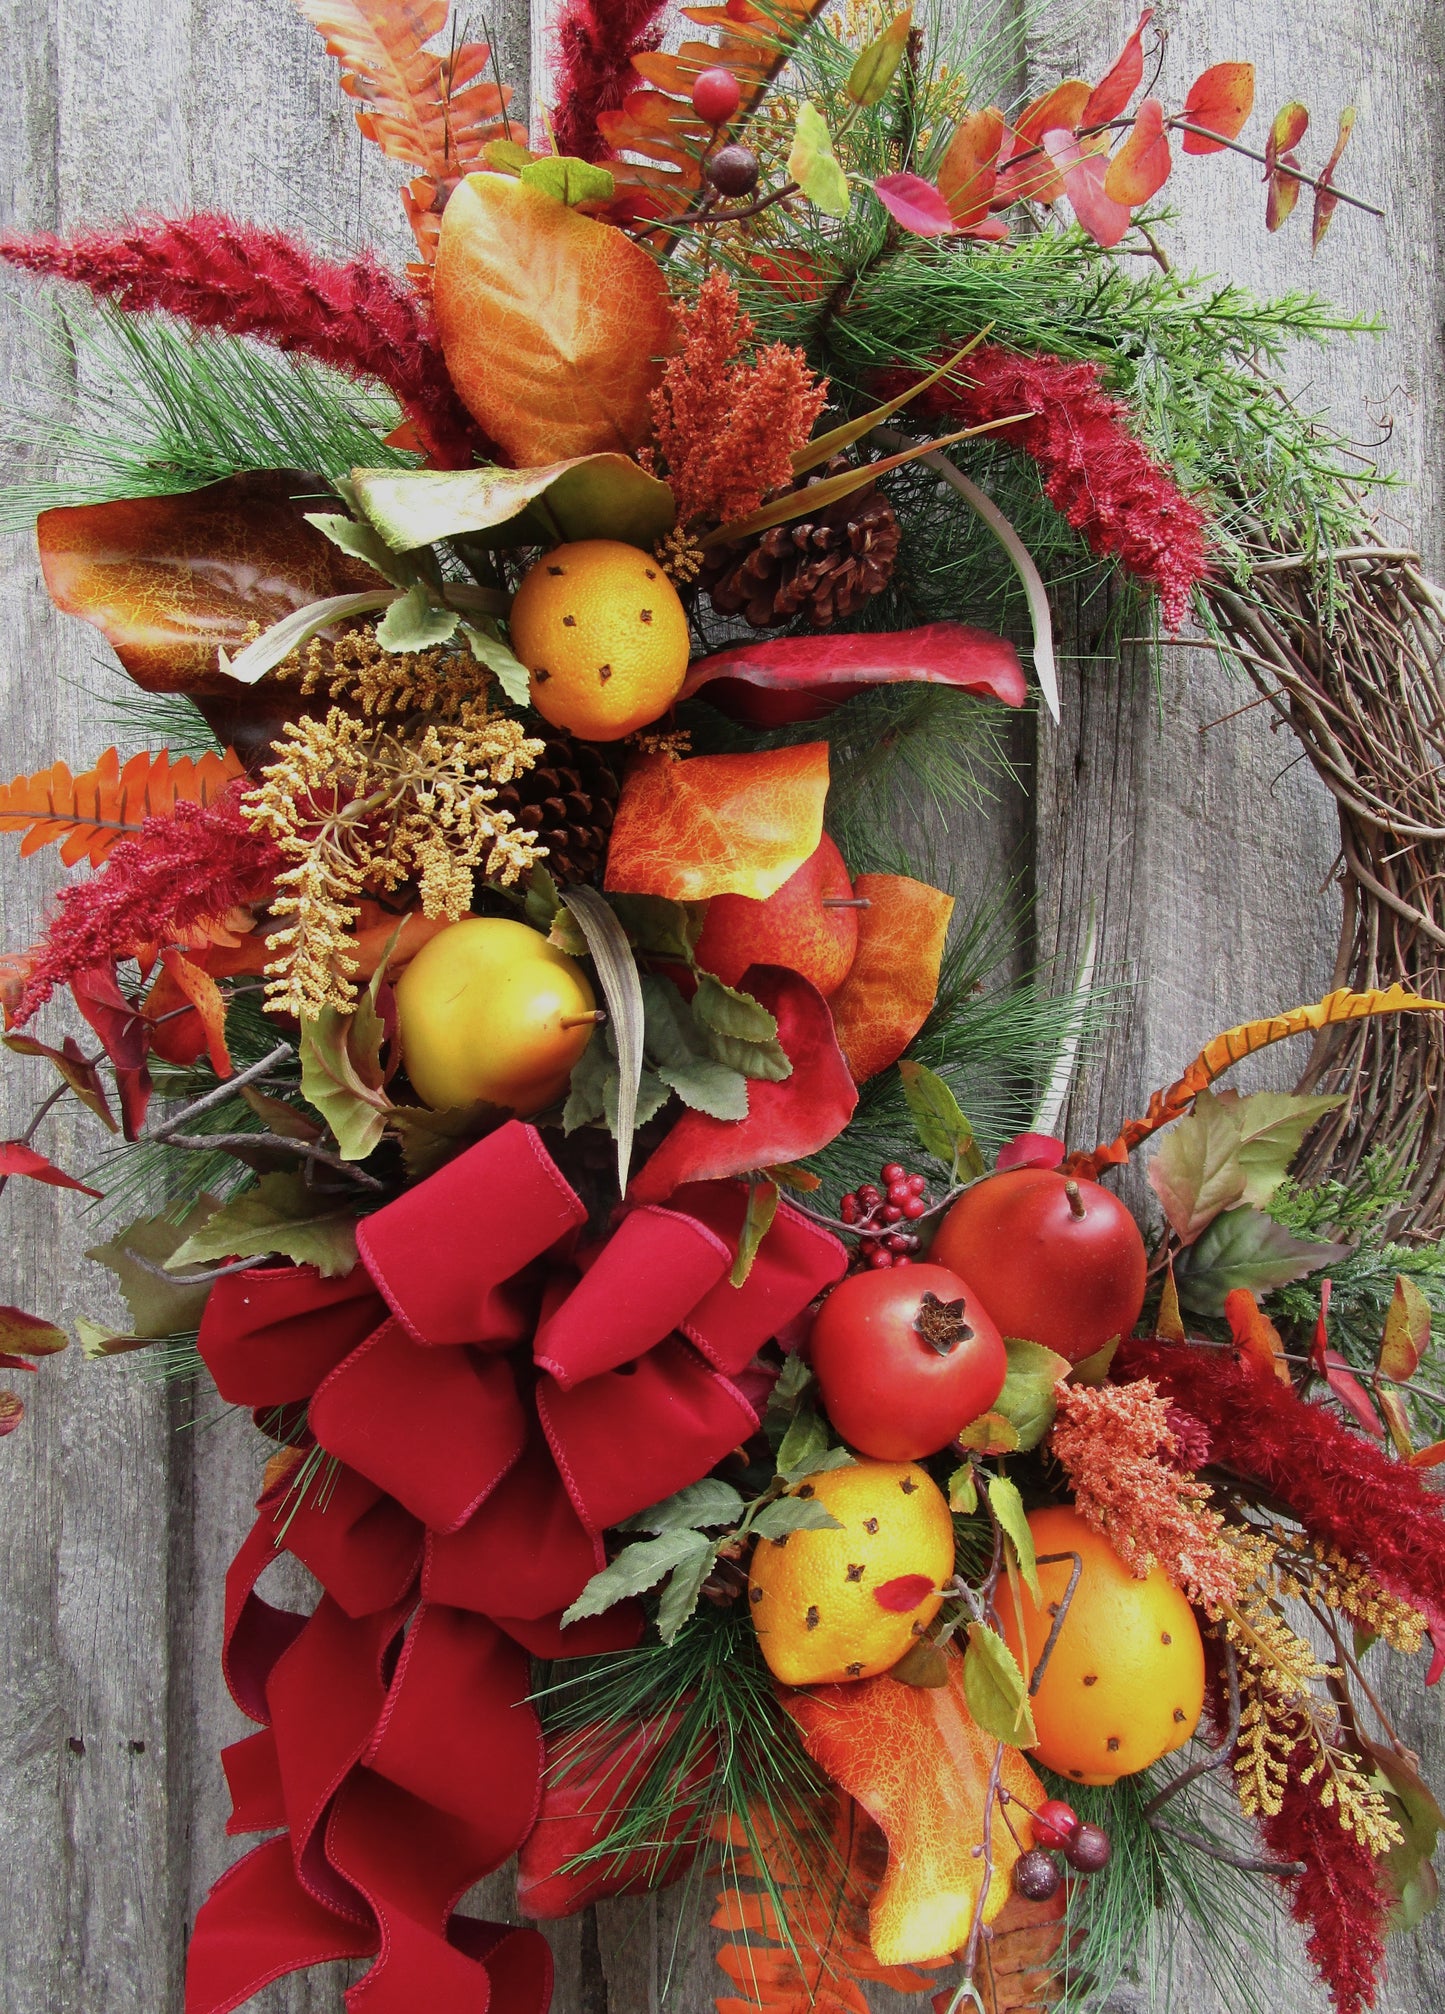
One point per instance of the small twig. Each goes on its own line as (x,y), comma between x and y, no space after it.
(1052,1559)
(1296,174)
(223,1091)
(1285,1869)
(193,1279)
(225,1143)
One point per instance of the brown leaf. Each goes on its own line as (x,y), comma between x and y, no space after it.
(1326,201)
(91,812)
(170,580)
(80,1074)
(553,325)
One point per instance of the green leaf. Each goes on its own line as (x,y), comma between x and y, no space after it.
(587,1092)
(1008,1507)
(1027,1400)
(363,543)
(803,1445)
(570,180)
(680,1596)
(661,928)
(432,1137)
(963,1491)
(590,496)
(673,1044)
(787,1514)
(991,1434)
(938,1120)
(415,622)
(341,1075)
(1228,1150)
(158,1306)
(652,1095)
(1406,1870)
(994,1687)
(762,1207)
(636,1569)
(923,1664)
(1407,1331)
(488,648)
(279,1215)
(1245,1248)
(739,1031)
(1094,1370)
(701,1504)
(543,901)
(508,157)
(622,989)
(97,1341)
(814,166)
(877,64)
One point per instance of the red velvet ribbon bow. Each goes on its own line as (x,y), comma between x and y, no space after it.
(492,1392)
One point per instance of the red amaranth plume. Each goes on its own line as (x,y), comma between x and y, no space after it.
(596,41)
(1096,471)
(181,869)
(250,281)
(1339,1901)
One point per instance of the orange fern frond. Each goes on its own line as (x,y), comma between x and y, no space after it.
(1232,1047)
(436,112)
(89,813)
(659,122)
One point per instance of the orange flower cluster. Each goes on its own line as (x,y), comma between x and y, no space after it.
(728,427)
(1109,1440)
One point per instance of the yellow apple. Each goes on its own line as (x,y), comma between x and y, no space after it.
(489,1009)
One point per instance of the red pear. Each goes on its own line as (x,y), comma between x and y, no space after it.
(795,926)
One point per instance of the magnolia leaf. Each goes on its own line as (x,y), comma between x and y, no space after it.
(804,1444)
(622,989)
(636,1569)
(680,1596)
(788,1514)
(1228,1150)
(485,642)
(814,166)
(1028,1400)
(963,1490)
(700,1505)
(588,496)
(991,1434)
(138,1255)
(763,1199)
(1407,1331)
(876,65)
(1245,1248)
(938,1120)
(24,1335)
(739,1031)
(1008,1509)
(415,622)
(570,180)
(362,542)
(341,1075)
(280,1215)
(995,1689)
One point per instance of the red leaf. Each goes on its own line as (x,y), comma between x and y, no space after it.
(1338,1375)
(1105,220)
(1113,91)
(123,1031)
(1222,99)
(823,671)
(18,1159)
(12,1412)
(1291,123)
(1141,167)
(1284,191)
(31,1333)
(898,1596)
(917,205)
(1030,1150)
(79,1073)
(785,1121)
(1326,201)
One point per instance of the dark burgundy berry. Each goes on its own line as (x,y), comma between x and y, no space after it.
(1089,1849)
(1055,1824)
(1036,1875)
(870,1197)
(733,170)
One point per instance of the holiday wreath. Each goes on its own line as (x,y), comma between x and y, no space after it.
(545,1007)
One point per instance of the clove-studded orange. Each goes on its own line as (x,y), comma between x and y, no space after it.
(599,626)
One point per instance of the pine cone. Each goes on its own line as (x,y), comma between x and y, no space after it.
(823,567)
(567,799)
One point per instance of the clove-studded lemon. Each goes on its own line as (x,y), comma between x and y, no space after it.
(599,626)
(849,1602)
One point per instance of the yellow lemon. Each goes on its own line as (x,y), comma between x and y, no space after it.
(600,628)
(1124,1684)
(847,1603)
(489,1009)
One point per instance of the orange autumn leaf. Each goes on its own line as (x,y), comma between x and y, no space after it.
(91,812)
(1035,178)
(718,824)
(1430,1457)
(169,580)
(893,981)
(196,986)
(553,325)
(969,172)
(918,1764)
(1141,167)
(1220,99)
(1255,1335)
(1232,1047)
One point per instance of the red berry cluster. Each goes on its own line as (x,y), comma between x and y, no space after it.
(1058,1829)
(878,1216)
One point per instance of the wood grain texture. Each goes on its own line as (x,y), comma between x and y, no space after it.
(1204,856)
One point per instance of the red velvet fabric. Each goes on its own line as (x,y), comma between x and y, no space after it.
(489,1397)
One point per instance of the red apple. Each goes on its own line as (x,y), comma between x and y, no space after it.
(792,927)
(1057,1261)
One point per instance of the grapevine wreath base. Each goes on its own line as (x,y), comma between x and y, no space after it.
(960,1579)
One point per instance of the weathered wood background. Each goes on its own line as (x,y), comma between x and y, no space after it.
(1204,848)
